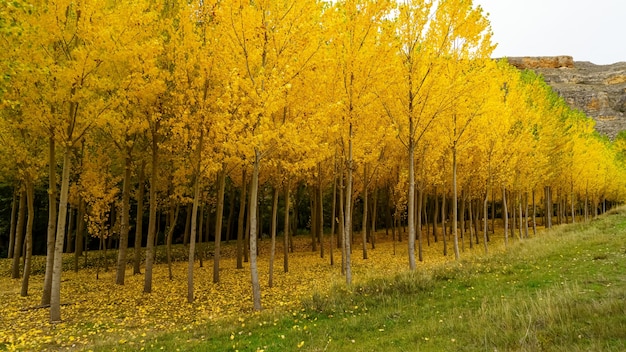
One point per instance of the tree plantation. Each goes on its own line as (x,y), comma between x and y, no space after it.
(157,130)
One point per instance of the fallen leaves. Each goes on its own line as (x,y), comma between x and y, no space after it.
(103,312)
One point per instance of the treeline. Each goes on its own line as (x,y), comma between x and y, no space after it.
(182,109)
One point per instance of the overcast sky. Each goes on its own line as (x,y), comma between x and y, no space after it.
(588,30)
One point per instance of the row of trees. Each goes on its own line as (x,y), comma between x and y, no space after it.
(99,100)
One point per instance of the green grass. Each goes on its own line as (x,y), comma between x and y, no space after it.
(562,291)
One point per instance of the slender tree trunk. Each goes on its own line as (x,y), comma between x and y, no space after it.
(287,187)
(69,242)
(411,200)
(187,224)
(485,219)
(471,228)
(173,216)
(435,215)
(443,221)
(348,211)
(364,226)
(52,218)
(273,235)
(246,233)
(221,181)
(194,222)
(231,211)
(147,286)
(373,217)
(80,232)
(124,227)
(505,217)
(28,253)
(139,220)
(534,215)
(332,221)
(19,237)
(455,214)
(57,268)
(341,213)
(526,214)
(242,211)
(14,204)
(256,288)
(420,203)
(462,218)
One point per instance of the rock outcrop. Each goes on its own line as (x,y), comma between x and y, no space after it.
(598,90)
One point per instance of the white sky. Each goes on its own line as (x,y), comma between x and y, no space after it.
(588,30)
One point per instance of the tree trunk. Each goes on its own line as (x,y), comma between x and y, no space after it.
(139,220)
(246,233)
(455,213)
(273,226)
(221,181)
(52,219)
(364,224)
(332,221)
(147,286)
(435,215)
(534,215)
(348,211)
(80,232)
(231,211)
(485,220)
(471,228)
(320,210)
(13,224)
(57,268)
(28,253)
(373,222)
(505,217)
(411,200)
(124,226)
(443,221)
(286,230)
(173,219)
(19,237)
(194,220)
(254,275)
(240,220)
(187,224)
(420,203)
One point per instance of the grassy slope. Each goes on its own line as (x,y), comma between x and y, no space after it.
(562,291)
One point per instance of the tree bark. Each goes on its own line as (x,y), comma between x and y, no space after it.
(19,237)
(80,232)
(139,220)
(147,286)
(455,211)
(14,204)
(57,268)
(254,274)
(30,199)
(221,181)
(242,211)
(286,230)
(274,225)
(348,209)
(124,226)
(194,219)
(320,210)
(364,224)
(52,218)
(505,217)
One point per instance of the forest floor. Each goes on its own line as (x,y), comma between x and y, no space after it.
(561,290)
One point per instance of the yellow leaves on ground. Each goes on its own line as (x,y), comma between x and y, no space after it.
(97,311)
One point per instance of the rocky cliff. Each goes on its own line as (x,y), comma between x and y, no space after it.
(598,90)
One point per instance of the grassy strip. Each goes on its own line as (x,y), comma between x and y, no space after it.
(562,291)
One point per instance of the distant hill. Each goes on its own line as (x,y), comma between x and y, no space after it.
(598,90)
